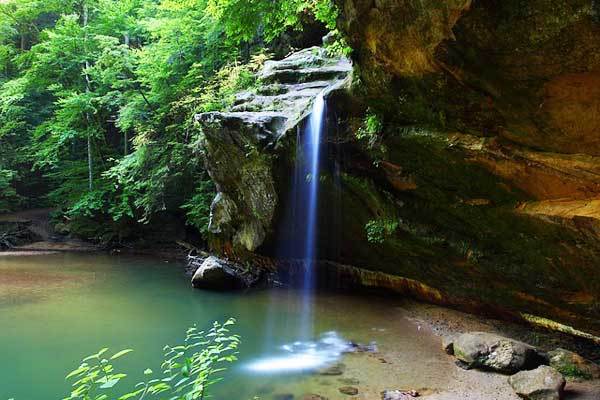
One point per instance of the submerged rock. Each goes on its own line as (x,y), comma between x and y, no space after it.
(542,383)
(335,369)
(354,347)
(399,394)
(493,352)
(283,396)
(349,390)
(217,274)
(314,397)
(573,365)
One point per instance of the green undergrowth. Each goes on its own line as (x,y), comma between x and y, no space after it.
(187,372)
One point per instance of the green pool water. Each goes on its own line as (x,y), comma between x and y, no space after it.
(57,308)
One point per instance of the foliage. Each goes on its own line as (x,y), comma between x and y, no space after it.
(380,229)
(242,19)
(9,199)
(188,370)
(371,127)
(97,99)
(573,371)
(198,207)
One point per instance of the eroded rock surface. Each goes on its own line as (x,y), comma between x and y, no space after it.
(487,167)
(240,145)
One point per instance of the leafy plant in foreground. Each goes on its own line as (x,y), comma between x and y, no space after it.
(188,369)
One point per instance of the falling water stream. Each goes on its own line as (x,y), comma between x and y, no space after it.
(311,144)
(308,352)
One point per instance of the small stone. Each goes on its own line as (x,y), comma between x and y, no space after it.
(349,390)
(542,383)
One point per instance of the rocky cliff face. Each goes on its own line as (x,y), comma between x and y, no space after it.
(482,189)
(490,156)
(247,146)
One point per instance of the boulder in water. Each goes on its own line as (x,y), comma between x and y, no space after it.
(493,352)
(218,274)
(542,383)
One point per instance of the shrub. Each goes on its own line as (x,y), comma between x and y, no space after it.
(187,370)
(380,229)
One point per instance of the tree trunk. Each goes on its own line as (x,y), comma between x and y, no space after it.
(23,41)
(89,154)
(87,115)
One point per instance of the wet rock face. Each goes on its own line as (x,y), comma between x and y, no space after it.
(528,71)
(242,145)
(487,171)
(398,34)
(542,383)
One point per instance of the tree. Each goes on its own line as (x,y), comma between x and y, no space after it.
(97,99)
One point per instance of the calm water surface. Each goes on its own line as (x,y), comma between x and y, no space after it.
(56,309)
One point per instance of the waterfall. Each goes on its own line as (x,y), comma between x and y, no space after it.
(301,221)
(310,145)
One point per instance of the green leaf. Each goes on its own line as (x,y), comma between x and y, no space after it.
(110,383)
(77,372)
(121,353)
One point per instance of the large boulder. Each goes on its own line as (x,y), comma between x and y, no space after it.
(573,365)
(217,274)
(493,352)
(542,383)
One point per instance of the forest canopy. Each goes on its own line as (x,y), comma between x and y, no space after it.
(97,99)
